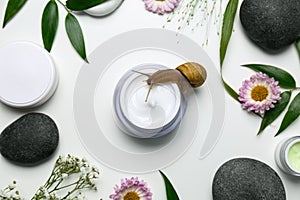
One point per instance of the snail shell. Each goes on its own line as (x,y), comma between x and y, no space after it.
(185,75)
(194,73)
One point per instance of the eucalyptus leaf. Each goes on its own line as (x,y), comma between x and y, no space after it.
(297,43)
(78,5)
(291,115)
(284,78)
(230,91)
(13,7)
(273,113)
(75,35)
(170,191)
(227,27)
(228,21)
(49,24)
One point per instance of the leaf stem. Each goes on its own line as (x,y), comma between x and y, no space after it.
(65,186)
(64,5)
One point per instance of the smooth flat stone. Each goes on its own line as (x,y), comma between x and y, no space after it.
(271,24)
(30,139)
(104,8)
(247,179)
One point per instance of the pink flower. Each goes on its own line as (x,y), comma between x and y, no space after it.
(259,94)
(131,189)
(161,6)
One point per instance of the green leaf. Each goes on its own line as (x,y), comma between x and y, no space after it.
(49,24)
(272,114)
(75,35)
(227,27)
(82,4)
(285,79)
(230,91)
(171,193)
(13,7)
(291,115)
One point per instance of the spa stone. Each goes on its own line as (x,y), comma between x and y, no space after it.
(247,179)
(271,24)
(30,139)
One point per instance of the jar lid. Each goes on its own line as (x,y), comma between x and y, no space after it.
(104,8)
(28,76)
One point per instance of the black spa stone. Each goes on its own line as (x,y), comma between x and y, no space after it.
(30,139)
(247,179)
(271,24)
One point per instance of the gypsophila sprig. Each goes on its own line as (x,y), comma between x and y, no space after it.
(10,193)
(197,14)
(68,178)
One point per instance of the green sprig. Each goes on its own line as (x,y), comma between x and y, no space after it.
(69,177)
(50,18)
(291,115)
(66,169)
(272,114)
(49,24)
(285,79)
(12,8)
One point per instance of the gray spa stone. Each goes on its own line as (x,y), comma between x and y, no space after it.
(30,139)
(247,179)
(271,24)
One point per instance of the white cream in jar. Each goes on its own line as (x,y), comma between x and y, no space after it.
(158,116)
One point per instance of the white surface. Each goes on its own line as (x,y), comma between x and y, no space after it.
(27,75)
(191,177)
(92,97)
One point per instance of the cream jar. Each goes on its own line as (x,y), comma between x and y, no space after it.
(157,116)
(105,8)
(28,76)
(287,156)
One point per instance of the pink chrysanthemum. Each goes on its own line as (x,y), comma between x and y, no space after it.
(161,6)
(260,93)
(131,189)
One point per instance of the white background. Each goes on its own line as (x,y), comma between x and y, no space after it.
(191,177)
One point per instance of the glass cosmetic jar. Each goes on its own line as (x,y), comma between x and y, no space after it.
(159,115)
(287,155)
(28,76)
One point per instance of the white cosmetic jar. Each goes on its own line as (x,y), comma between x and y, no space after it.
(282,157)
(161,114)
(28,76)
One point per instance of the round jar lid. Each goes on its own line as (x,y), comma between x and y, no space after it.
(104,8)
(27,75)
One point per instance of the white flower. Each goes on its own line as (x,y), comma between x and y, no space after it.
(259,94)
(64,175)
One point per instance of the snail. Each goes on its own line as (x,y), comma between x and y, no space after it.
(185,75)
